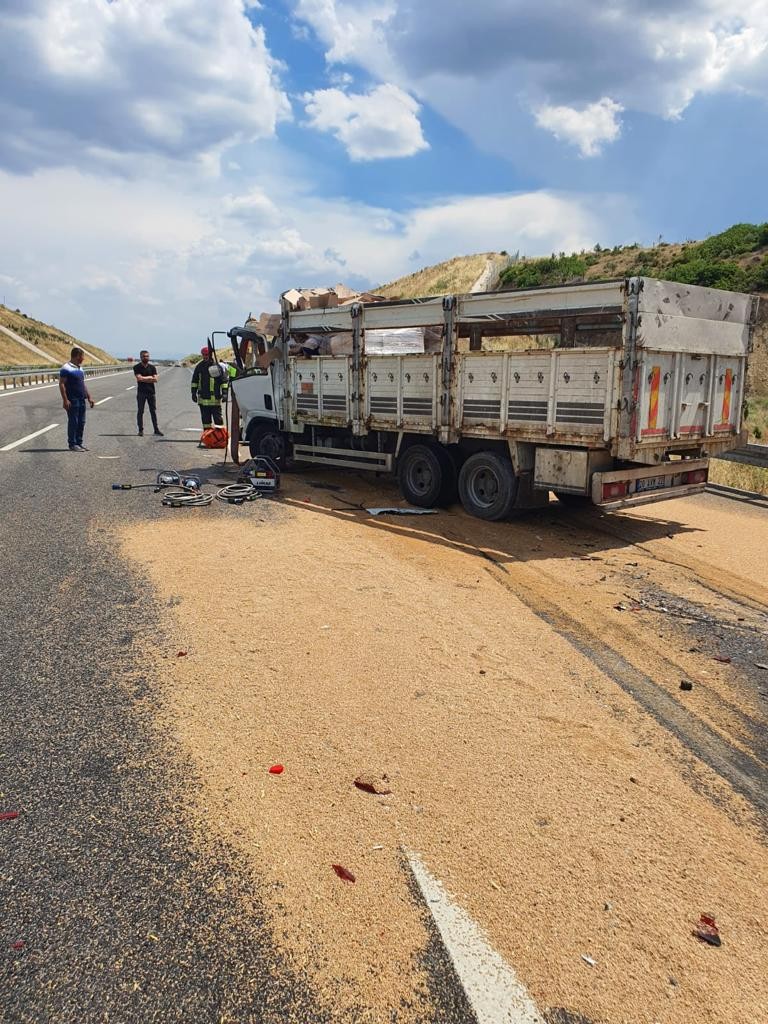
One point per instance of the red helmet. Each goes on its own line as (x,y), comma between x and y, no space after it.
(205,351)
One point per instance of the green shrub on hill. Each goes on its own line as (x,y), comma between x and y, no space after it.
(711,273)
(712,263)
(552,270)
(738,239)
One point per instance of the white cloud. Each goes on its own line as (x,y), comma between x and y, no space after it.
(352,31)
(372,126)
(253,208)
(589,128)
(86,81)
(549,55)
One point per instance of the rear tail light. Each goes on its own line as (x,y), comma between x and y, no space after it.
(617,489)
(696,476)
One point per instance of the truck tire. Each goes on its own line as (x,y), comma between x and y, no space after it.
(268,440)
(427,476)
(488,486)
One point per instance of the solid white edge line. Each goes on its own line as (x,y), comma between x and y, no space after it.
(101,401)
(5,393)
(37,433)
(490,985)
(9,392)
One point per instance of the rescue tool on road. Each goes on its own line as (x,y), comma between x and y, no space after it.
(642,381)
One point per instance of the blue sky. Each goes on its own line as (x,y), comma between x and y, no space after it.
(168,166)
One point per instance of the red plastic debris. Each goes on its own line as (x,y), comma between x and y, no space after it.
(722,659)
(181,654)
(343,873)
(18,945)
(276,769)
(707,931)
(8,815)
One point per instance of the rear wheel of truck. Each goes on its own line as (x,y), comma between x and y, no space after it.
(488,486)
(267,440)
(427,476)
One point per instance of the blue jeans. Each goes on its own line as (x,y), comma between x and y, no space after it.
(75,422)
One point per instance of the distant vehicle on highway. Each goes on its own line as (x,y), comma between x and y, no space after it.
(640,383)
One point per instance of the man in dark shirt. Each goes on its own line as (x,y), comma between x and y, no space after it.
(74,395)
(146,378)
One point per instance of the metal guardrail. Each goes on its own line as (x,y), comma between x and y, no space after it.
(25,376)
(748,455)
(750,497)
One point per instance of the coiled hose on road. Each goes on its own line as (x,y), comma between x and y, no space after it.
(186,497)
(191,497)
(236,494)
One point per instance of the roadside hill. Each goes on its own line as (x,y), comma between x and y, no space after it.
(452,277)
(28,342)
(735,259)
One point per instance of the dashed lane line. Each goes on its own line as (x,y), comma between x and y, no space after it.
(101,401)
(494,991)
(37,433)
(132,386)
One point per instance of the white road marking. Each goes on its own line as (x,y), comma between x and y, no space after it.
(101,401)
(10,392)
(131,387)
(491,986)
(37,433)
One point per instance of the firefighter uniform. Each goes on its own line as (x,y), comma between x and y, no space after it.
(209,391)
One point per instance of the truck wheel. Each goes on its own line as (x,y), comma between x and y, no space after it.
(267,440)
(427,476)
(488,486)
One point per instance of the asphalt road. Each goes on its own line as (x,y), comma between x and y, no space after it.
(116,906)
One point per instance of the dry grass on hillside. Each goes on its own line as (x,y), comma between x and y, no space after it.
(452,277)
(51,340)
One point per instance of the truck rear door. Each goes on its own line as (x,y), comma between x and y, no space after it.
(691,347)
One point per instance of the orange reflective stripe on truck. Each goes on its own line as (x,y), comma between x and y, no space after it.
(725,415)
(653,404)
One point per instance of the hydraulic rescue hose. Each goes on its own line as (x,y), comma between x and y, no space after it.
(186,497)
(236,494)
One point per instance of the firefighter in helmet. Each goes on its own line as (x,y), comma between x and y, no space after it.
(210,382)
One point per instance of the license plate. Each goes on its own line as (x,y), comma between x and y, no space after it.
(651,483)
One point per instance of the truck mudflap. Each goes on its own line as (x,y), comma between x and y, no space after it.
(623,488)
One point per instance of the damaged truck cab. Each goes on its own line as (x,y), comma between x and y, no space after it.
(615,393)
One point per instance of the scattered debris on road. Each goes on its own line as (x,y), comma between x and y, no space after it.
(378,784)
(588,960)
(277,769)
(344,874)
(9,815)
(707,931)
(395,511)
(686,684)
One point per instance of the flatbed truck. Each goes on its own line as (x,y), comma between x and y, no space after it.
(641,383)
